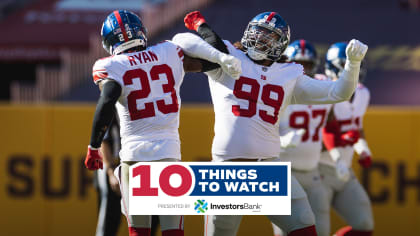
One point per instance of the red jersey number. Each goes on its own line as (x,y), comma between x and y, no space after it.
(144,92)
(251,95)
(301,119)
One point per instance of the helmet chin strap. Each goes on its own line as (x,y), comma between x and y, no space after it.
(128,45)
(254,55)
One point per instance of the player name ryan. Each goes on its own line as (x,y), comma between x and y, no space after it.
(142,57)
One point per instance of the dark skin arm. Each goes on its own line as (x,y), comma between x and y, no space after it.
(192,64)
(108,161)
(105,110)
(198,65)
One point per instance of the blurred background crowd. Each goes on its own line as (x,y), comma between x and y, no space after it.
(48,46)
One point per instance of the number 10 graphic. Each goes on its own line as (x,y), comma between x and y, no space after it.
(164,181)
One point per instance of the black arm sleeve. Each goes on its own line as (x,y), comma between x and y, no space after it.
(105,111)
(214,40)
(211,38)
(208,66)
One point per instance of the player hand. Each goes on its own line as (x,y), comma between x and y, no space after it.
(193,20)
(292,139)
(356,50)
(231,66)
(350,137)
(342,170)
(365,160)
(93,159)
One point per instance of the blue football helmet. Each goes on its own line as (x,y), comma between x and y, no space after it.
(304,53)
(266,36)
(121,31)
(335,60)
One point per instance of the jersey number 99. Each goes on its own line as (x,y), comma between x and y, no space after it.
(252,97)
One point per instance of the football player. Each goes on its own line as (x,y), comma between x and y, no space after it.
(301,138)
(143,82)
(108,188)
(247,110)
(342,136)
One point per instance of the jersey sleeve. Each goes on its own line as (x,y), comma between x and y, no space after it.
(230,47)
(365,98)
(218,74)
(312,91)
(284,118)
(364,103)
(101,70)
(172,52)
(170,49)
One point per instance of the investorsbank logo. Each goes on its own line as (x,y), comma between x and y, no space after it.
(201,206)
(249,188)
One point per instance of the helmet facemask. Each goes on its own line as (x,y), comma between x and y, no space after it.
(338,64)
(264,42)
(303,52)
(335,60)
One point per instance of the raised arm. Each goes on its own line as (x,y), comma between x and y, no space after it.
(195,47)
(311,91)
(195,21)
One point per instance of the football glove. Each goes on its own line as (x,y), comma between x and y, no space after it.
(193,20)
(350,137)
(292,139)
(93,160)
(356,50)
(365,155)
(230,65)
(365,160)
(342,170)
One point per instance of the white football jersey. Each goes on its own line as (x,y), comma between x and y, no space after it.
(311,118)
(349,115)
(247,110)
(149,104)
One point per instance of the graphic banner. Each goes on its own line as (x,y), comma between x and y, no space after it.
(224,188)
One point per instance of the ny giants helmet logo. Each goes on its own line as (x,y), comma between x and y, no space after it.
(271,23)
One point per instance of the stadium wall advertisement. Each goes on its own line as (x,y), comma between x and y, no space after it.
(46,190)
